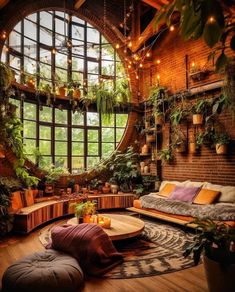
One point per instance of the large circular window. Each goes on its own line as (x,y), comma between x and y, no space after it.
(54,47)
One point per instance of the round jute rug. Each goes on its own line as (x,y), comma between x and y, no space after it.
(158,250)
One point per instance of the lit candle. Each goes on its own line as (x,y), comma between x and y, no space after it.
(107,222)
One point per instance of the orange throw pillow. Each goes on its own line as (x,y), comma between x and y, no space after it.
(206,196)
(167,190)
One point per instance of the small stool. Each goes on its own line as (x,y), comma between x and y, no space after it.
(46,271)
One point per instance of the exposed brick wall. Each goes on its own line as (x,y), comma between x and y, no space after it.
(207,165)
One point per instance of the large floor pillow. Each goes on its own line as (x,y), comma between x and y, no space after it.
(46,271)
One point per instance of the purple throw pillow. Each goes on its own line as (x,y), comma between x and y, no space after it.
(184,194)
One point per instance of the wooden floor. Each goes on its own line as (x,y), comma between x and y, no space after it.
(192,279)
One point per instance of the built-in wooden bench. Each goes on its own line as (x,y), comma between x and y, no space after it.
(29,218)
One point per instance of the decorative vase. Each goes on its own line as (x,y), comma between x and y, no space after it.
(197,119)
(145,149)
(62,91)
(146,169)
(221,149)
(86,218)
(159,119)
(219,277)
(114,189)
(106,188)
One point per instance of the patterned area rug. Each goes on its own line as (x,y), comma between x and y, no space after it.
(158,250)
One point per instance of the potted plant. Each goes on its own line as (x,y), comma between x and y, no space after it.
(150,135)
(84,210)
(157,99)
(200,109)
(215,241)
(94,185)
(221,141)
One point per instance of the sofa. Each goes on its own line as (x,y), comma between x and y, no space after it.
(181,202)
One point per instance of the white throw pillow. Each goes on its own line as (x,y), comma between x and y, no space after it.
(197,184)
(227,192)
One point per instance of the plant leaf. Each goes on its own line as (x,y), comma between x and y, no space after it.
(212,33)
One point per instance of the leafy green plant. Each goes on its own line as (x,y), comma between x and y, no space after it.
(95,183)
(85,208)
(177,115)
(105,101)
(166,154)
(202,106)
(204,19)
(215,240)
(139,190)
(221,138)
(6,77)
(123,167)
(199,140)
(122,92)
(157,99)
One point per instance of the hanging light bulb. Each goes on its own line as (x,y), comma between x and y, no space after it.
(117,46)
(158,77)
(158,61)
(172,28)
(137,77)
(53,51)
(148,54)
(211,19)
(129,66)
(129,44)
(141,65)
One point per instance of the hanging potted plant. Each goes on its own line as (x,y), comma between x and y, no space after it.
(157,100)
(215,241)
(200,109)
(221,141)
(166,155)
(105,101)
(150,136)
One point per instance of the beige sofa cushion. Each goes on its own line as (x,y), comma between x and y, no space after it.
(227,192)
(195,184)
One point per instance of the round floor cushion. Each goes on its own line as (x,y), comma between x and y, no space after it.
(46,271)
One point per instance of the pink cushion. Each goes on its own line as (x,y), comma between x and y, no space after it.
(184,194)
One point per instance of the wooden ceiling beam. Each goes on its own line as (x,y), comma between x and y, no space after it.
(152,3)
(3,3)
(78,4)
(149,31)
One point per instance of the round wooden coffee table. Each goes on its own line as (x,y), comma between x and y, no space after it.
(122,226)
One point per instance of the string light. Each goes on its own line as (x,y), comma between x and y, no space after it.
(129,66)
(172,28)
(137,77)
(211,19)
(148,54)
(158,77)
(193,64)
(4,35)
(158,61)
(129,44)
(117,46)
(54,51)
(141,65)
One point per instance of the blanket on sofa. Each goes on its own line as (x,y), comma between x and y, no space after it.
(89,244)
(220,212)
